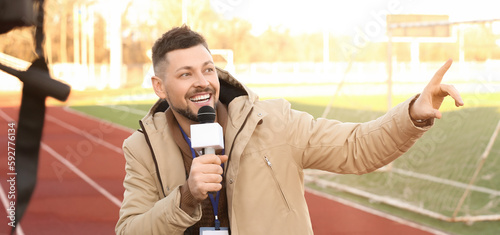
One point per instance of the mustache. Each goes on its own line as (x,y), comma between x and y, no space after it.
(199,90)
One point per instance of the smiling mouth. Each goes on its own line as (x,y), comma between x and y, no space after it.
(200,98)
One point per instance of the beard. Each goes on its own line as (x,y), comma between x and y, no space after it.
(188,113)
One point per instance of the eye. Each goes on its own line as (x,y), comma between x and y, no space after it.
(185,75)
(208,70)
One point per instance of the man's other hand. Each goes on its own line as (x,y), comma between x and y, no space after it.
(428,103)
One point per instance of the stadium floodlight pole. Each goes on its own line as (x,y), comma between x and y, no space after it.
(389,69)
(185,4)
(115,47)
(326,49)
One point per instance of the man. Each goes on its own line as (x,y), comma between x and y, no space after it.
(259,175)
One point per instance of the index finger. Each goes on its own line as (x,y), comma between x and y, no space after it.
(223,158)
(212,159)
(438,76)
(209,159)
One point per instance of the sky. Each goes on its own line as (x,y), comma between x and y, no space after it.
(344,17)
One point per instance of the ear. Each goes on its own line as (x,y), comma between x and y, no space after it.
(158,87)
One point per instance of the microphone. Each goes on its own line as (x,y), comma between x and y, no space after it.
(207,136)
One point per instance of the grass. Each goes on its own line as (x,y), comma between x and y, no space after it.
(450,150)
(111,113)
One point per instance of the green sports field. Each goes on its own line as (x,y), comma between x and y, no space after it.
(433,175)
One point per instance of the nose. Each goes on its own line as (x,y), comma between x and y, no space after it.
(201,81)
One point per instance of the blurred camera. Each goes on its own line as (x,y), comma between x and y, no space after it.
(16,13)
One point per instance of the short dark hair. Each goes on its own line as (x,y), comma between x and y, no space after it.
(176,38)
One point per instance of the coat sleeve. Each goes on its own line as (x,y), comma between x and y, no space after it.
(353,148)
(142,210)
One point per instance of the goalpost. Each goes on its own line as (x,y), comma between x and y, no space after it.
(460,188)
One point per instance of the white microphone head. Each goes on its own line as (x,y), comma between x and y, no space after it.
(207,134)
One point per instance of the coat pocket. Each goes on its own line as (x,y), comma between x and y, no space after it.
(278,186)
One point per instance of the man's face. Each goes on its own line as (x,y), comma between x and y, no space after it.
(189,81)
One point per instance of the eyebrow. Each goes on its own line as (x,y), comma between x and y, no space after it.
(190,67)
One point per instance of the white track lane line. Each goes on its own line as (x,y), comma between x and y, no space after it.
(375,212)
(5,116)
(5,202)
(84,134)
(82,175)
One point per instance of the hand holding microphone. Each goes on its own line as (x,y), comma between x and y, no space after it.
(206,171)
(206,175)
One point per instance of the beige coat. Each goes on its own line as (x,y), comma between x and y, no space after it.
(269,145)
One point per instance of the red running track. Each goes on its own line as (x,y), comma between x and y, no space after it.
(80,175)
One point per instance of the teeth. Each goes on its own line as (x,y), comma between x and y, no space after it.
(200,98)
